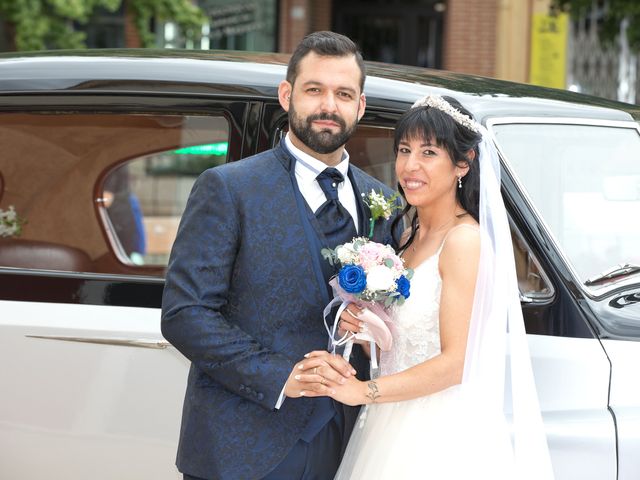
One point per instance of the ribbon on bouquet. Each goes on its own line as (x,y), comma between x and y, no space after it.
(375,319)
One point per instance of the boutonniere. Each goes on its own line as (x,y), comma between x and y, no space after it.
(380,207)
(10,223)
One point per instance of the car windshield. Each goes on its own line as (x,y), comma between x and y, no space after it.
(585,182)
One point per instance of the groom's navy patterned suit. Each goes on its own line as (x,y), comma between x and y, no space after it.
(245,290)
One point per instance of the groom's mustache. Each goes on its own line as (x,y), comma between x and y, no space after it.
(332,117)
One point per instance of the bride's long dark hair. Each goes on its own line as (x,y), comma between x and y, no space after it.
(432,124)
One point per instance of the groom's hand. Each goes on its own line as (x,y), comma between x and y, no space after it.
(317,375)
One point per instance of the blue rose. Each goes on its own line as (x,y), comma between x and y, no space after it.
(403,286)
(352,278)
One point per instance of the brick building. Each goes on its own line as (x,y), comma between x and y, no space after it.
(483,37)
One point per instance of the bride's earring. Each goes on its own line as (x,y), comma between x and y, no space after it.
(459,181)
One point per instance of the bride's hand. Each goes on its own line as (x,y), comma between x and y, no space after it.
(349,391)
(349,322)
(353,392)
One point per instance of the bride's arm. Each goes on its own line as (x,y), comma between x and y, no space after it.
(458,269)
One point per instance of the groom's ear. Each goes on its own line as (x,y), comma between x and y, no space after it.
(362,105)
(284,94)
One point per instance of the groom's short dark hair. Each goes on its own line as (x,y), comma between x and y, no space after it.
(325,44)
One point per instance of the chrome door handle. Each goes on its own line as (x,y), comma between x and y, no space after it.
(121,342)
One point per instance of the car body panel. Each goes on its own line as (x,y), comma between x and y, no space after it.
(94,386)
(572,377)
(83,403)
(625,402)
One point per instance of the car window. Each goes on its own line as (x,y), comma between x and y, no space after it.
(584,180)
(145,197)
(533,282)
(371,149)
(101,192)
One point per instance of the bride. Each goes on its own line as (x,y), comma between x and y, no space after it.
(436,410)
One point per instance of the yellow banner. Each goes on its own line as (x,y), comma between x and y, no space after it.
(549,36)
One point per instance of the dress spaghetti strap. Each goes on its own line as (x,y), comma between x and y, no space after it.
(474,227)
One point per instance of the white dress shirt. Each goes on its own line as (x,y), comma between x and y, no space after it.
(306,172)
(309,168)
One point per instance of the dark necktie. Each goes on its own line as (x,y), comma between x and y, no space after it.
(335,221)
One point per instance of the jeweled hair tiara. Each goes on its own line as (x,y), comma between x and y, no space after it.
(436,101)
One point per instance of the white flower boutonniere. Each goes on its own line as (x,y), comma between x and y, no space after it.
(10,223)
(380,207)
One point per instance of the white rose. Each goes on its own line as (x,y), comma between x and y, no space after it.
(346,253)
(380,278)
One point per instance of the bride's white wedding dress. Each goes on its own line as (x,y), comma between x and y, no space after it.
(440,436)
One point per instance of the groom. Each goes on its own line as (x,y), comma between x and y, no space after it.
(246,284)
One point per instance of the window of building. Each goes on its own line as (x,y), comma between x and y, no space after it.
(232,25)
(105,29)
(407,32)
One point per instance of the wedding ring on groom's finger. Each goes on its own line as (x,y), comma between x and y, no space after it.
(315,370)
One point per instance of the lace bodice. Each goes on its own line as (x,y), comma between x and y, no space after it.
(416,330)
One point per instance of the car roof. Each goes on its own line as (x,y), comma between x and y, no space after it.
(257,75)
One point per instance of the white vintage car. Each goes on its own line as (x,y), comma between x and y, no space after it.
(99,152)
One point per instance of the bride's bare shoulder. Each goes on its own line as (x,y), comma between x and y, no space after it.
(461,244)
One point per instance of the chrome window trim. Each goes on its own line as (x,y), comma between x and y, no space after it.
(593,293)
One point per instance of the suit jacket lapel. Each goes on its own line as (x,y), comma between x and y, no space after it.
(360,187)
(314,241)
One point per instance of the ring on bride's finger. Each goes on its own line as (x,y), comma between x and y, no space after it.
(322,381)
(315,369)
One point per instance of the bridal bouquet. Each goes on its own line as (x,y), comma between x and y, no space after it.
(370,271)
(372,276)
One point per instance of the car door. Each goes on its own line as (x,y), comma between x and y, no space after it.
(97,184)
(572,185)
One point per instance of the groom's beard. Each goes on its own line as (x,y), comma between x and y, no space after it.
(324,141)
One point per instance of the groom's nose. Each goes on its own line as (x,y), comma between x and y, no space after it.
(328,102)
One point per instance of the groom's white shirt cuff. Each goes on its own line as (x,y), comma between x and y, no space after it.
(281,399)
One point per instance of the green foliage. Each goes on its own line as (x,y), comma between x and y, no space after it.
(42,24)
(184,13)
(613,14)
(330,256)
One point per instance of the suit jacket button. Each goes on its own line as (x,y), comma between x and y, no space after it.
(242,387)
(260,396)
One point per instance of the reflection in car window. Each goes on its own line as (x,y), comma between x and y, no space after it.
(533,282)
(585,182)
(135,171)
(145,197)
(371,149)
